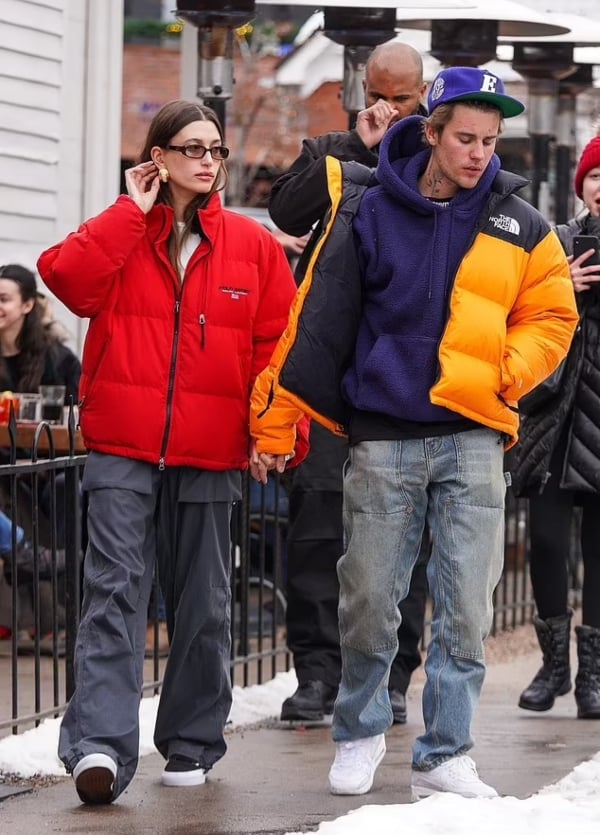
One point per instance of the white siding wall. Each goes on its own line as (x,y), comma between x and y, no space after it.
(31,46)
(60,122)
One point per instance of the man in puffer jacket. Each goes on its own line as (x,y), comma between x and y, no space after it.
(393,89)
(436,300)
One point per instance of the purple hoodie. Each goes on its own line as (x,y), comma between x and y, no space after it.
(409,250)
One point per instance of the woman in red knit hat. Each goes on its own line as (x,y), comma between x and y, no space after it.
(558,467)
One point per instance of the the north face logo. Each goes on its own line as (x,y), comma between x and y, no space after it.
(506,224)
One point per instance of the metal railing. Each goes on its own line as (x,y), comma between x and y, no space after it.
(41,491)
(40,606)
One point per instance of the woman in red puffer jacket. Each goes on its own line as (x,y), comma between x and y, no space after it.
(186,301)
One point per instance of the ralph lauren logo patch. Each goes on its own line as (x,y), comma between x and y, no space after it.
(234,292)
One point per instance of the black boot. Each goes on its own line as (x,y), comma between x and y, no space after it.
(311,701)
(554,677)
(587,680)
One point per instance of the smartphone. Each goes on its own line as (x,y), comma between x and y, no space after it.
(581,243)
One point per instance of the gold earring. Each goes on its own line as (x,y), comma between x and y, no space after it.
(163,174)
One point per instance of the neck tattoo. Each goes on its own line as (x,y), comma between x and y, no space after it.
(433,183)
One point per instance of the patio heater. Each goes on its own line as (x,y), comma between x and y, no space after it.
(358,30)
(466,32)
(557,70)
(216,22)
(359,27)
(544,66)
(568,90)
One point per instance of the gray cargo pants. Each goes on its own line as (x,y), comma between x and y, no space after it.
(181,518)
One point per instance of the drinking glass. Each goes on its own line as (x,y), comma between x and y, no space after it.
(53,401)
(30,407)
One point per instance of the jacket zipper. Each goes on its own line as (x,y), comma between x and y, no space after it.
(544,480)
(178,302)
(165,440)
(202,322)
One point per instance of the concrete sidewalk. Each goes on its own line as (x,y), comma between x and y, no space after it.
(273,779)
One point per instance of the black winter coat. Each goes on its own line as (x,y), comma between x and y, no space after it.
(575,411)
(299,201)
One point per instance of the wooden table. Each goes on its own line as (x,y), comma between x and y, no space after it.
(60,436)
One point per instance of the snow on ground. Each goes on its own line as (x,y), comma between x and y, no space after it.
(571,805)
(34,752)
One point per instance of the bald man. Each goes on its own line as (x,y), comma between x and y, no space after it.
(394,88)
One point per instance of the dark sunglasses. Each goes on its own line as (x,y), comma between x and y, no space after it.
(217,152)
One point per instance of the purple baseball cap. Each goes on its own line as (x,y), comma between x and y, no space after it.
(471,84)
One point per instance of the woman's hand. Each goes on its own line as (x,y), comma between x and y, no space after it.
(142,185)
(583,277)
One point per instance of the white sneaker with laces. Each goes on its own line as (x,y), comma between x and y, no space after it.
(457,775)
(355,764)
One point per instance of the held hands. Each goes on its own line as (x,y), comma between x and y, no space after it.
(142,185)
(372,123)
(262,462)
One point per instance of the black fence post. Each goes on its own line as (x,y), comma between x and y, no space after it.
(73,562)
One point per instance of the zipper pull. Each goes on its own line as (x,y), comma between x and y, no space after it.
(202,322)
(544,481)
(161,464)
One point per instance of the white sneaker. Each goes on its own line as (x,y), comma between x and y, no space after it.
(457,775)
(94,777)
(355,763)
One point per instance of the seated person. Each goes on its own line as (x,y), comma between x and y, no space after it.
(33,353)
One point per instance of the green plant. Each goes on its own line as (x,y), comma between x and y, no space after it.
(151,30)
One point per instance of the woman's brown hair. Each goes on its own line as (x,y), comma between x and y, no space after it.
(33,340)
(170,119)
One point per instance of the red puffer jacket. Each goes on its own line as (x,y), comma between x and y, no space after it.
(168,368)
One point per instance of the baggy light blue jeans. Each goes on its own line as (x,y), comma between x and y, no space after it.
(455,484)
